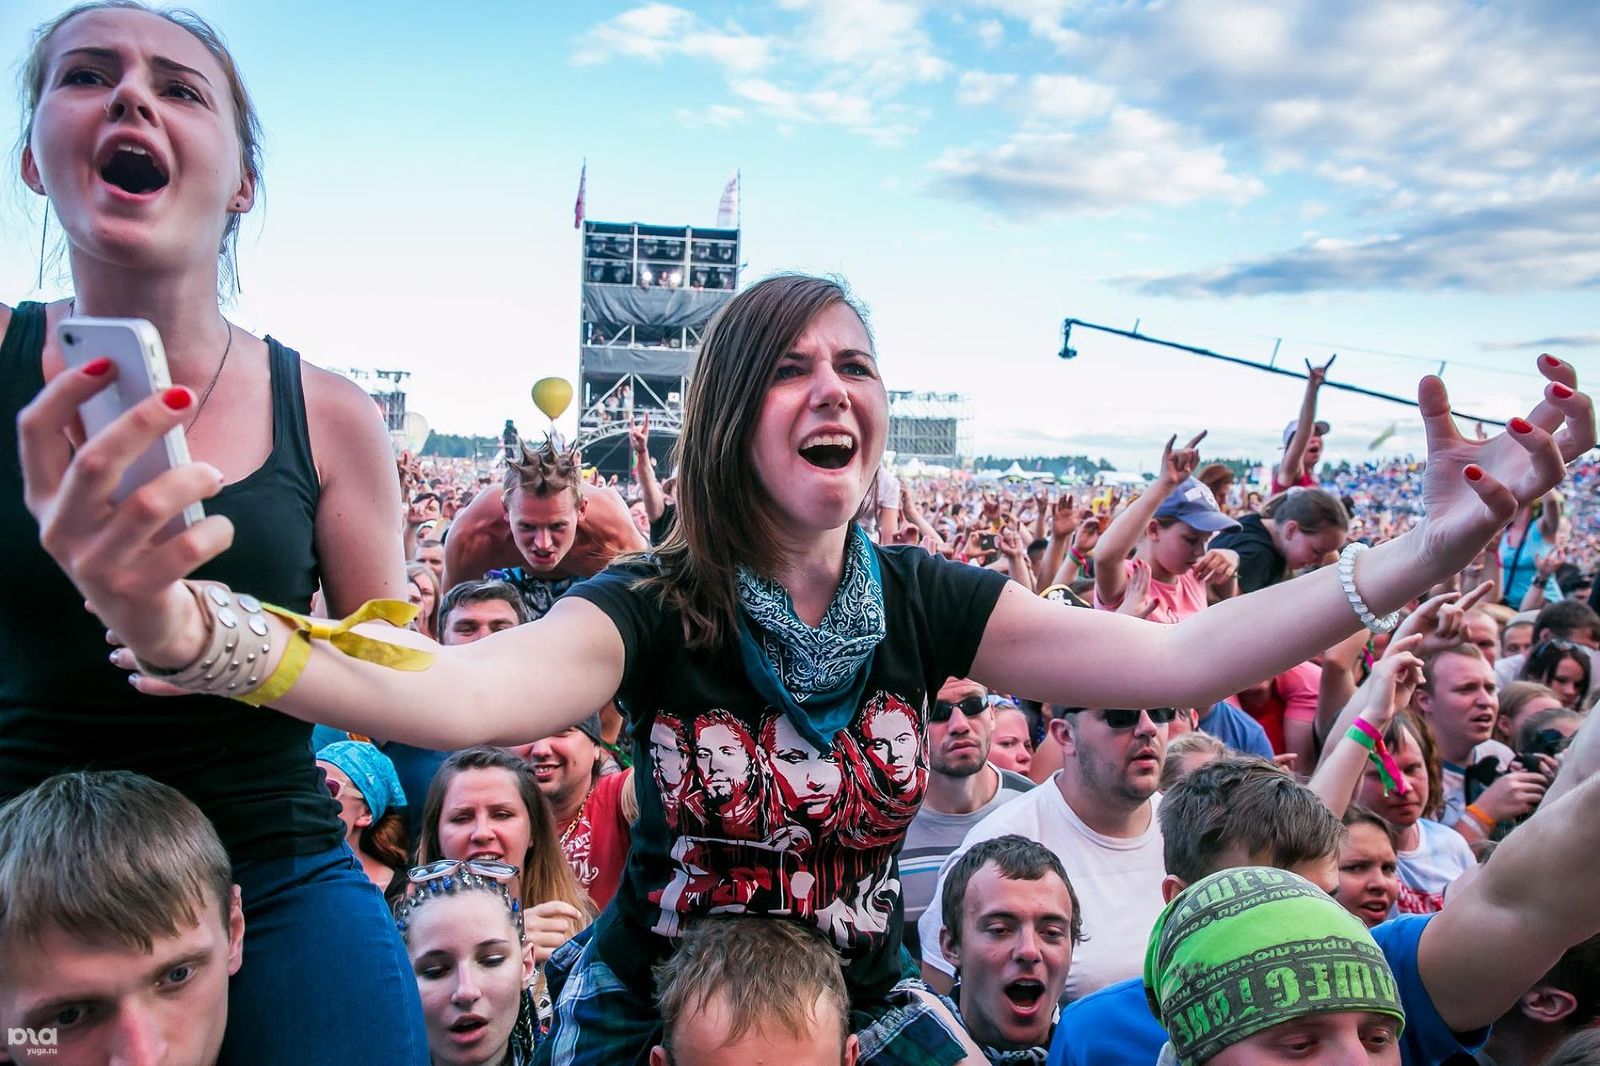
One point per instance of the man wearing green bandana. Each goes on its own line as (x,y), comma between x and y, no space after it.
(1256,965)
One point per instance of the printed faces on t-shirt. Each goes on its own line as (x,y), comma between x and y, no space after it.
(761,820)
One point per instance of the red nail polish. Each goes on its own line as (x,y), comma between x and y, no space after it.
(177,397)
(1551,360)
(1474,473)
(1520,425)
(1561,391)
(95,367)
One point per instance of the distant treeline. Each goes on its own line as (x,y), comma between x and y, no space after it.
(452,446)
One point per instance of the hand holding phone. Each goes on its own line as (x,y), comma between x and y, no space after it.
(134,347)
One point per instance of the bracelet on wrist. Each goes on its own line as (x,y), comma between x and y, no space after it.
(1481,816)
(1367,735)
(1347,579)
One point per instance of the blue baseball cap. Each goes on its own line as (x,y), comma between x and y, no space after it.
(371,771)
(1194,504)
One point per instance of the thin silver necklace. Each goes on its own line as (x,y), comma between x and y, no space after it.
(211,385)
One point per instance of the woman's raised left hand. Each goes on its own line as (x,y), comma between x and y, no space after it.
(1472,488)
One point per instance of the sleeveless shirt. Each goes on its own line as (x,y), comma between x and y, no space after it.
(63,706)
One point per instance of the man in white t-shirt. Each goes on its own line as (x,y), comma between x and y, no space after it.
(1098,815)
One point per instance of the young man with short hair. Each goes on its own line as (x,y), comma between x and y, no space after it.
(1098,814)
(963,788)
(1458,697)
(473,610)
(1011,921)
(585,804)
(119,924)
(749,990)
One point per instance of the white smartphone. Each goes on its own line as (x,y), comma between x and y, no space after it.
(134,346)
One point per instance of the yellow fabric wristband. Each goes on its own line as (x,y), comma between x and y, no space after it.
(341,635)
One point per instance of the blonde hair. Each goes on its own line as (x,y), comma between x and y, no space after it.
(544,471)
(766,970)
(107,856)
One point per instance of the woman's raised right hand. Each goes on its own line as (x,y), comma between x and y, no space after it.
(118,555)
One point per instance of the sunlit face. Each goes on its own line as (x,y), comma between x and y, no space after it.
(892,745)
(117,79)
(959,746)
(544,527)
(723,761)
(810,782)
(421,596)
(1014,954)
(1483,633)
(471,620)
(1369,879)
(1461,704)
(820,436)
(1304,549)
(109,1003)
(433,555)
(470,971)
(1399,810)
(1121,763)
(1348,1038)
(353,809)
(1567,682)
(483,817)
(564,766)
(1012,747)
(1177,547)
(1517,639)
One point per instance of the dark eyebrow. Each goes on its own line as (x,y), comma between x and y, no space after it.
(113,54)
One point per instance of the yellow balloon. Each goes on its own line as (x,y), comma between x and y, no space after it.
(552,395)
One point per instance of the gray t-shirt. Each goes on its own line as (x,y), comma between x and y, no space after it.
(930,839)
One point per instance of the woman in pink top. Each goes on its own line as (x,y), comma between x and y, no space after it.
(1166,530)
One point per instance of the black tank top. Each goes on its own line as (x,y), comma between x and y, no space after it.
(63,706)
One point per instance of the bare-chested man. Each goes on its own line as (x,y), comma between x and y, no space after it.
(541,531)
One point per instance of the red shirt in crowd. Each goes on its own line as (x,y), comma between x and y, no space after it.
(596,840)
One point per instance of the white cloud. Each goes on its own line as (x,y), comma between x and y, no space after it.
(1135,158)
(991,32)
(1068,99)
(656,32)
(977,88)
(715,115)
(882,43)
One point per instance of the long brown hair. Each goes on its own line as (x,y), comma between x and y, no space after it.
(725,516)
(545,873)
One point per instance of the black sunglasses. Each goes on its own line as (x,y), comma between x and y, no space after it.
(1120,718)
(972,706)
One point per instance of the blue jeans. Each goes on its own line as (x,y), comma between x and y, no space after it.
(325,978)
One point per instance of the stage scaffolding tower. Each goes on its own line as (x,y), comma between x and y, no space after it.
(648,292)
(934,427)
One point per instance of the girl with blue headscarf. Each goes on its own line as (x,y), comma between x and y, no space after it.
(363,782)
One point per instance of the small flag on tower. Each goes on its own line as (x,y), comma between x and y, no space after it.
(728,208)
(577,208)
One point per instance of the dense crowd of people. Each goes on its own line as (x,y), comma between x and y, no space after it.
(779,758)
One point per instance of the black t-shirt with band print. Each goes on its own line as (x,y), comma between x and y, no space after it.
(740,814)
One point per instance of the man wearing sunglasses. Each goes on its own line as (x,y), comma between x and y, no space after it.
(963,787)
(1098,814)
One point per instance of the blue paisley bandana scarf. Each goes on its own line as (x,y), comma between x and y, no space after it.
(817,676)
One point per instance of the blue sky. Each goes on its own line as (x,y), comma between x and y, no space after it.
(1363,177)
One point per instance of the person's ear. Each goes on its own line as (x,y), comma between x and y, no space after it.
(244,198)
(1289,528)
(530,968)
(364,819)
(1171,885)
(951,949)
(1547,1004)
(1152,529)
(658,1056)
(235,930)
(30,171)
(1423,699)
(852,1050)
(1061,733)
